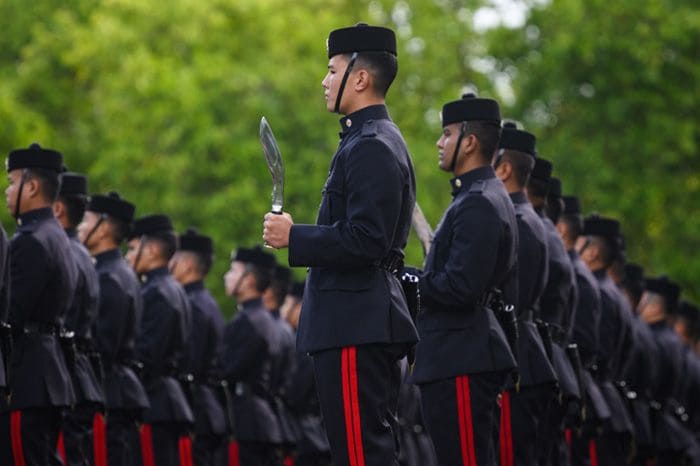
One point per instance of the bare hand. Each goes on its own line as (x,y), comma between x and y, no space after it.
(276,229)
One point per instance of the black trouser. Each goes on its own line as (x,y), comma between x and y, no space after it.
(204,449)
(313,459)
(522,413)
(123,443)
(77,434)
(461,416)
(28,437)
(258,454)
(358,390)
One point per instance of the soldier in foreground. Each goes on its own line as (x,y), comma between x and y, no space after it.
(355,321)
(472,260)
(43,276)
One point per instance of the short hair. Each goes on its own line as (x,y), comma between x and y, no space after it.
(488,133)
(262,275)
(383,66)
(166,241)
(574,224)
(521,162)
(75,207)
(607,247)
(280,289)
(118,228)
(49,180)
(203,262)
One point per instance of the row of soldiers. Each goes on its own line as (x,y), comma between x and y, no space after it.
(112,359)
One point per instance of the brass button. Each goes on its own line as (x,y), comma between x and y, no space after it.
(458,183)
(348,122)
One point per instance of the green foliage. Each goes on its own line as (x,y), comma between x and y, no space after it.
(163,103)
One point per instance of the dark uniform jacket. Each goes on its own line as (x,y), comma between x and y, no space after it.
(115,331)
(4,302)
(205,346)
(161,344)
(614,338)
(249,349)
(42,279)
(80,319)
(474,250)
(283,368)
(533,365)
(364,217)
(558,306)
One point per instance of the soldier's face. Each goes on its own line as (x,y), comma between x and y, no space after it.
(90,219)
(181,266)
(131,253)
(13,181)
(233,276)
(331,83)
(446,145)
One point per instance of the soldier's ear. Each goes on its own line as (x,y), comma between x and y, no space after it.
(363,80)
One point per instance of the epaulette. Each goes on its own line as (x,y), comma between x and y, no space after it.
(477,187)
(369,129)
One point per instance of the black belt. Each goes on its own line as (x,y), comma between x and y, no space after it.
(43,328)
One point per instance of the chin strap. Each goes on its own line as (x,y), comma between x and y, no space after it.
(462,132)
(94,229)
(237,288)
(139,252)
(351,64)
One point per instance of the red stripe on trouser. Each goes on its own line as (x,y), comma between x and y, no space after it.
(147,445)
(185,446)
(568,440)
(99,440)
(506,431)
(502,433)
(354,392)
(61,447)
(288,461)
(16,438)
(593,452)
(351,406)
(234,458)
(464,414)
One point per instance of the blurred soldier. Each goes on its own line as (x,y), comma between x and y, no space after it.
(43,277)
(584,335)
(685,323)
(161,343)
(557,309)
(250,349)
(642,368)
(190,266)
(312,446)
(77,427)
(659,301)
(463,358)
(598,250)
(105,226)
(284,365)
(355,321)
(523,406)
(5,332)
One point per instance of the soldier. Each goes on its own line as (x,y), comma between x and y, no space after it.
(685,323)
(598,250)
(312,445)
(584,334)
(190,266)
(355,321)
(642,368)
(463,357)
(250,348)
(557,310)
(284,365)
(103,229)
(77,426)
(5,331)
(659,301)
(43,276)
(523,405)
(161,343)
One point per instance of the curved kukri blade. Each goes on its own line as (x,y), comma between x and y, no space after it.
(274,164)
